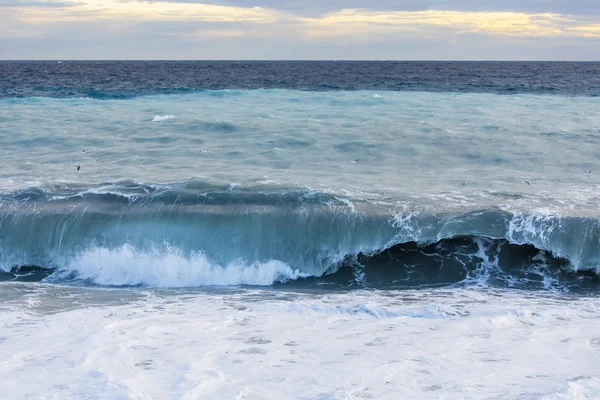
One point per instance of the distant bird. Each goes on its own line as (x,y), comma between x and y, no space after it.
(587,172)
(464,183)
(78,167)
(355,161)
(526,181)
(83,151)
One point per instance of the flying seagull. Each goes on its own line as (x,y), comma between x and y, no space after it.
(355,161)
(587,171)
(526,181)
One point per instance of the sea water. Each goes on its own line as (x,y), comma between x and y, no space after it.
(299,230)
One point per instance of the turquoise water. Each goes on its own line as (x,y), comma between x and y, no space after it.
(407,143)
(260,186)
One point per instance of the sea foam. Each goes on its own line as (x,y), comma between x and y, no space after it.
(167,267)
(160,118)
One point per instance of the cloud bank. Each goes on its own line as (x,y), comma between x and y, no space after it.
(113,29)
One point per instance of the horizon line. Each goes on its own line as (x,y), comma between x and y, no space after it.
(290,60)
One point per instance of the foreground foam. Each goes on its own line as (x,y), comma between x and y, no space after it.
(451,344)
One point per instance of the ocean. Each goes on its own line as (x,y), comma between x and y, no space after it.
(299,230)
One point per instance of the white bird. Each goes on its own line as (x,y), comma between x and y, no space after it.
(355,161)
(526,181)
(587,172)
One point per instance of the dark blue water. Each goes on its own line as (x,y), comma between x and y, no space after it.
(126,79)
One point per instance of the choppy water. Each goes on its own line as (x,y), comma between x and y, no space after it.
(261,186)
(460,197)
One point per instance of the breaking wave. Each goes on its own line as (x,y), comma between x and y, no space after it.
(194,234)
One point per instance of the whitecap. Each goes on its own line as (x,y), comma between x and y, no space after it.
(159,118)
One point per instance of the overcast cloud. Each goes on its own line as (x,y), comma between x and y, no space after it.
(581,7)
(293,29)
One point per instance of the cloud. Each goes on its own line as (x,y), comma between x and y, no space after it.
(140,11)
(42,4)
(347,22)
(317,7)
(587,30)
(278,31)
(212,33)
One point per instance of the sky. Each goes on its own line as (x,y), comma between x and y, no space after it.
(295,29)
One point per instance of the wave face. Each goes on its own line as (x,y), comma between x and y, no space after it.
(165,237)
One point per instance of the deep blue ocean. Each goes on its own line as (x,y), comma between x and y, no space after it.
(128,79)
(303,174)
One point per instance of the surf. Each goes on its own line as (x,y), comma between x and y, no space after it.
(197,234)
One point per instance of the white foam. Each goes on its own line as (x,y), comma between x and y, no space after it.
(405,222)
(159,118)
(167,267)
(254,344)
